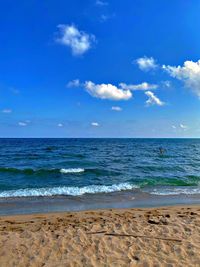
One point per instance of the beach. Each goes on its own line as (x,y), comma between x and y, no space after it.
(164,236)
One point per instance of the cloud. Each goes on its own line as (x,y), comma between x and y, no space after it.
(180,127)
(184,127)
(104,17)
(79,41)
(74,83)
(101,3)
(24,123)
(142,86)
(21,123)
(95,124)
(153,99)
(189,74)
(7,111)
(166,83)
(60,125)
(107,91)
(146,63)
(116,108)
(121,92)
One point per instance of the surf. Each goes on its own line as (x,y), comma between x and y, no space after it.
(66,191)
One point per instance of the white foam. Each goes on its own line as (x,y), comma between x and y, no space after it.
(72,170)
(175,191)
(64,190)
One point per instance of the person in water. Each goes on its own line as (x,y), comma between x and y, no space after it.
(162,150)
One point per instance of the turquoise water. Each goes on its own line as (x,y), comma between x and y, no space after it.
(75,167)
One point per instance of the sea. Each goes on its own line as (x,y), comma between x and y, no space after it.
(48,175)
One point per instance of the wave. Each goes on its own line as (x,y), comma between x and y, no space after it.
(94,189)
(64,190)
(169,182)
(72,170)
(29,171)
(175,191)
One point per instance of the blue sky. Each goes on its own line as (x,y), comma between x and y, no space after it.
(100,68)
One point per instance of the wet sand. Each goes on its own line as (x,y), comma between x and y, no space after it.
(167,236)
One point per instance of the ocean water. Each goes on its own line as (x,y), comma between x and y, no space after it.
(47,175)
(85,167)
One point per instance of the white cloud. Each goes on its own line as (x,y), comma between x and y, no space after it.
(189,74)
(107,91)
(21,123)
(146,63)
(101,3)
(105,17)
(79,41)
(153,99)
(121,92)
(7,111)
(142,86)
(95,124)
(179,127)
(74,83)
(166,83)
(184,127)
(24,123)
(60,125)
(116,108)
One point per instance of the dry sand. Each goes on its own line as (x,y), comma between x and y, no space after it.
(129,237)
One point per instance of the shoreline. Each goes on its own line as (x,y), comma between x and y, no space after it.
(162,236)
(82,212)
(120,200)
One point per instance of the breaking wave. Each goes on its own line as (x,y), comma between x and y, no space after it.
(29,171)
(72,170)
(187,190)
(65,190)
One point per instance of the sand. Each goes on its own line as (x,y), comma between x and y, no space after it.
(167,236)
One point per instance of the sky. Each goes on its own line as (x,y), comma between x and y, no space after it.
(100,68)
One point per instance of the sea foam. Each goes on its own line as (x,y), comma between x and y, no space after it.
(175,191)
(64,190)
(72,170)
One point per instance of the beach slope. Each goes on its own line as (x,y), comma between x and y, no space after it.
(168,236)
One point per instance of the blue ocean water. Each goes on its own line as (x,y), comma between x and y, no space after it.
(52,167)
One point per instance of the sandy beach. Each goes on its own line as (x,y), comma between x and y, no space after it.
(167,236)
